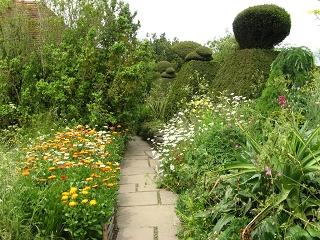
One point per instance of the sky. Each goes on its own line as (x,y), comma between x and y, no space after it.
(204,20)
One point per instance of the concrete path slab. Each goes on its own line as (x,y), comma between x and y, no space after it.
(145,212)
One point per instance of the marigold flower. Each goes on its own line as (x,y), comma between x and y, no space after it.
(93,202)
(64,198)
(84,192)
(105,180)
(84,200)
(74,196)
(89,179)
(65,194)
(95,186)
(25,173)
(51,168)
(86,188)
(73,190)
(42,180)
(110,185)
(52,177)
(72,204)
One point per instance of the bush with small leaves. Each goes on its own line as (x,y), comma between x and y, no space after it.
(185,47)
(261,26)
(163,65)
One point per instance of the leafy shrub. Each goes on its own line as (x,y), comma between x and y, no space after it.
(289,72)
(262,26)
(193,79)
(163,65)
(169,73)
(185,47)
(244,72)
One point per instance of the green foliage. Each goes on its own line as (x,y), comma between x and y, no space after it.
(222,46)
(68,73)
(261,26)
(193,79)
(201,53)
(289,72)
(162,50)
(185,47)
(244,72)
(163,65)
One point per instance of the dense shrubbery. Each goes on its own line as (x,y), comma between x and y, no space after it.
(262,26)
(244,72)
(89,76)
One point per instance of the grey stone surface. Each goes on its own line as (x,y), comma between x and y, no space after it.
(142,206)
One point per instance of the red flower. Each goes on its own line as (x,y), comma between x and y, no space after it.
(63,177)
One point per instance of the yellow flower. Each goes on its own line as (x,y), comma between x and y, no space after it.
(93,202)
(65,194)
(64,198)
(86,188)
(52,177)
(42,180)
(74,196)
(84,200)
(51,168)
(73,190)
(89,179)
(110,185)
(84,192)
(71,204)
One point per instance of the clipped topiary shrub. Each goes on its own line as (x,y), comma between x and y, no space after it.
(194,56)
(185,47)
(261,26)
(201,53)
(194,77)
(163,65)
(204,52)
(244,72)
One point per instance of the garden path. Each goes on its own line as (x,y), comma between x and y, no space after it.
(145,212)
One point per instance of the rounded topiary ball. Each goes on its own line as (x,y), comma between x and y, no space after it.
(163,65)
(261,26)
(184,48)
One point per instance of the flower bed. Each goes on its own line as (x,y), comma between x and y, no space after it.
(71,182)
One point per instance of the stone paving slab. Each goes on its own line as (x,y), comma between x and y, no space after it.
(144,211)
(137,199)
(134,233)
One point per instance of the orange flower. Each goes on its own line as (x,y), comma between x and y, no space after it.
(95,186)
(51,168)
(105,180)
(89,179)
(25,173)
(110,185)
(42,180)
(52,177)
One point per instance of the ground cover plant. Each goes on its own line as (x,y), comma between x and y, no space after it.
(240,175)
(66,185)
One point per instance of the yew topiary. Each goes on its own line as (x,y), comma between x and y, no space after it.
(244,72)
(261,26)
(185,47)
(163,65)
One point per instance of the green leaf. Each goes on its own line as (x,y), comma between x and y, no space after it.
(223,221)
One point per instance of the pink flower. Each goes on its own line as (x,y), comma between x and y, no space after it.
(282,100)
(268,170)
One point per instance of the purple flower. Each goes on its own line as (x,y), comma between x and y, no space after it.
(279,174)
